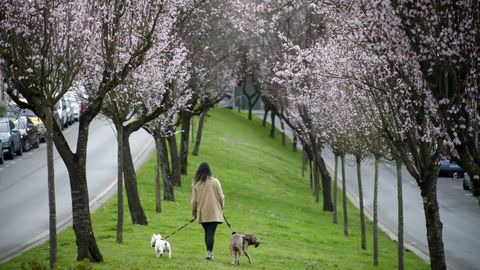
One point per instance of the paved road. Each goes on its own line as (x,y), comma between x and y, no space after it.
(23,186)
(459,210)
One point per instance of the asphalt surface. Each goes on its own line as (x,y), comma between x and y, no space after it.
(24,192)
(459,210)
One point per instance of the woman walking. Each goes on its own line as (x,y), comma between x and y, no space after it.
(207,204)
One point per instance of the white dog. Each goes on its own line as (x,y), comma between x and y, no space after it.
(161,245)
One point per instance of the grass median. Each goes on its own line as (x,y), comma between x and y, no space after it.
(264,193)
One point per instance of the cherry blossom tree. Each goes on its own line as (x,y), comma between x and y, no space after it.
(43,46)
(375,43)
(246,74)
(360,151)
(444,40)
(371,129)
(120,111)
(377,28)
(387,130)
(146,94)
(116,38)
(161,129)
(210,40)
(283,72)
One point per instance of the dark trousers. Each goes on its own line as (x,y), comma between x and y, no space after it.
(209,228)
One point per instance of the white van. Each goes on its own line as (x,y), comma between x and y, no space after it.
(61,110)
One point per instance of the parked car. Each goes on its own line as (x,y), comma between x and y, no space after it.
(28,133)
(450,168)
(10,137)
(57,118)
(61,110)
(11,110)
(23,138)
(37,122)
(1,152)
(68,106)
(467,183)
(83,105)
(74,105)
(81,96)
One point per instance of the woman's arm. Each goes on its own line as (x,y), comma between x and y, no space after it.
(194,202)
(221,197)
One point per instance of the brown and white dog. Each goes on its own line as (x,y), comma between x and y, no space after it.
(239,243)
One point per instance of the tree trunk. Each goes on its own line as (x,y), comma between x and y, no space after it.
(265,114)
(199,132)
(284,140)
(119,127)
(186,117)
(175,161)
(326,183)
(294,142)
(375,213)
(304,162)
(316,174)
(316,180)
(344,193)
(192,130)
(76,165)
(162,155)
(239,103)
(311,175)
(136,210)
(307,158)
(334,213)
(252,99)
(428,189)
(272,128)
(82,223)
(400,242)
(158,188)
(52,209)
(362,214)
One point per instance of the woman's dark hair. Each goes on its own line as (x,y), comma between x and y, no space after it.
(203,172)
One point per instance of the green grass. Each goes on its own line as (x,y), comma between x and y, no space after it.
(264,193)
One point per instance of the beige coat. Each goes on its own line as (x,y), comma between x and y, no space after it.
(208,201)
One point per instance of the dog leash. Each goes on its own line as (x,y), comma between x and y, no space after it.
(183,226)
(228,223)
